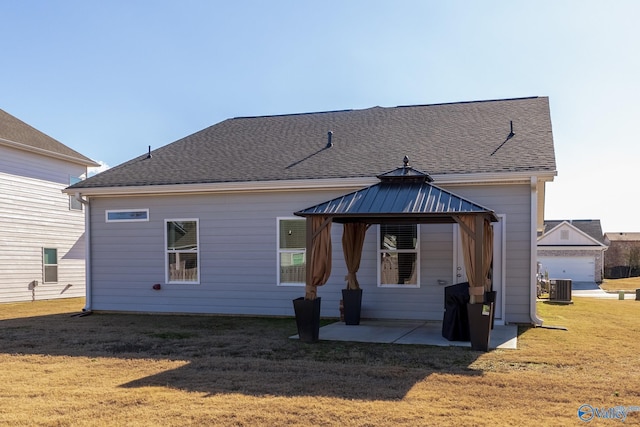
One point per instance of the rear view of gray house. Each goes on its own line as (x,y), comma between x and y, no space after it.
(42,243)
(206,224)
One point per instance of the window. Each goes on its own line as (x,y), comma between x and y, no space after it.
(182,254)
(50,265)
(292,242)
(398,254)
(74,204)
(127,215)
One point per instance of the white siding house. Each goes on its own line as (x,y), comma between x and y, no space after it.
(206,224)
(42,246)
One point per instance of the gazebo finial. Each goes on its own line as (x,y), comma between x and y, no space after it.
(405,161)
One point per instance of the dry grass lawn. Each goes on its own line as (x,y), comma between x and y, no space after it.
(630,284)
(147,370)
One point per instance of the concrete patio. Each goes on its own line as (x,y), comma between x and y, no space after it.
(410,332)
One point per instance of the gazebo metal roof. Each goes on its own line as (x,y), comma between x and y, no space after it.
(402,195)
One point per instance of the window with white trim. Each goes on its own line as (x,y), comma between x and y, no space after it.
(398,255)
(50,265)
(126,215)
(182,258)
(292,242)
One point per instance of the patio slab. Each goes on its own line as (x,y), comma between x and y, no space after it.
(410,332)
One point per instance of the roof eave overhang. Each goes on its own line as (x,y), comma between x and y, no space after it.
(305,184)
(484,178)
(226,187)
(47,153)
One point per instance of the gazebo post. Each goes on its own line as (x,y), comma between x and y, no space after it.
(317,271)
(353,235)
(310,291)
(479,316)
(479,257)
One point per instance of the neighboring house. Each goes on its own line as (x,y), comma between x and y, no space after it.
(572,249)
(623,256)
(206,224)
(42,244)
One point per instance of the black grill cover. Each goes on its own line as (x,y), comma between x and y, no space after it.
(455,324)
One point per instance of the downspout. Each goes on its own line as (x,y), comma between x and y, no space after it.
(533,294)
(87,250)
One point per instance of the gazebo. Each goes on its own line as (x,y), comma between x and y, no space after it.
(403,196)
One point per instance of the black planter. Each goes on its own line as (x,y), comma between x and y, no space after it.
(480,325)
(352,303)
(490,296)
(307,318)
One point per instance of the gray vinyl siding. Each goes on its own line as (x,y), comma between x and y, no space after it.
(238,254)
(238,257)
(34,214)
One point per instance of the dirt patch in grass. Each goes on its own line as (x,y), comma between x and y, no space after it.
(140,370)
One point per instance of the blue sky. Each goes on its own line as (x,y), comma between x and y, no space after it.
(110,78)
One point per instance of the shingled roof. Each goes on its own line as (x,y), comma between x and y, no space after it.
(455,138)
(17,134)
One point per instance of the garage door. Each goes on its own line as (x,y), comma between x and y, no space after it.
(578,269)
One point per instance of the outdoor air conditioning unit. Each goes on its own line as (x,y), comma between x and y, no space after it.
(560,290)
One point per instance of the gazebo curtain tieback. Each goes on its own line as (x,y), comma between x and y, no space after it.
(351,278)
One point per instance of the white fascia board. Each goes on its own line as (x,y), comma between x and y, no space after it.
(493,178)
(226,187)
(304,184)
(47,153)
